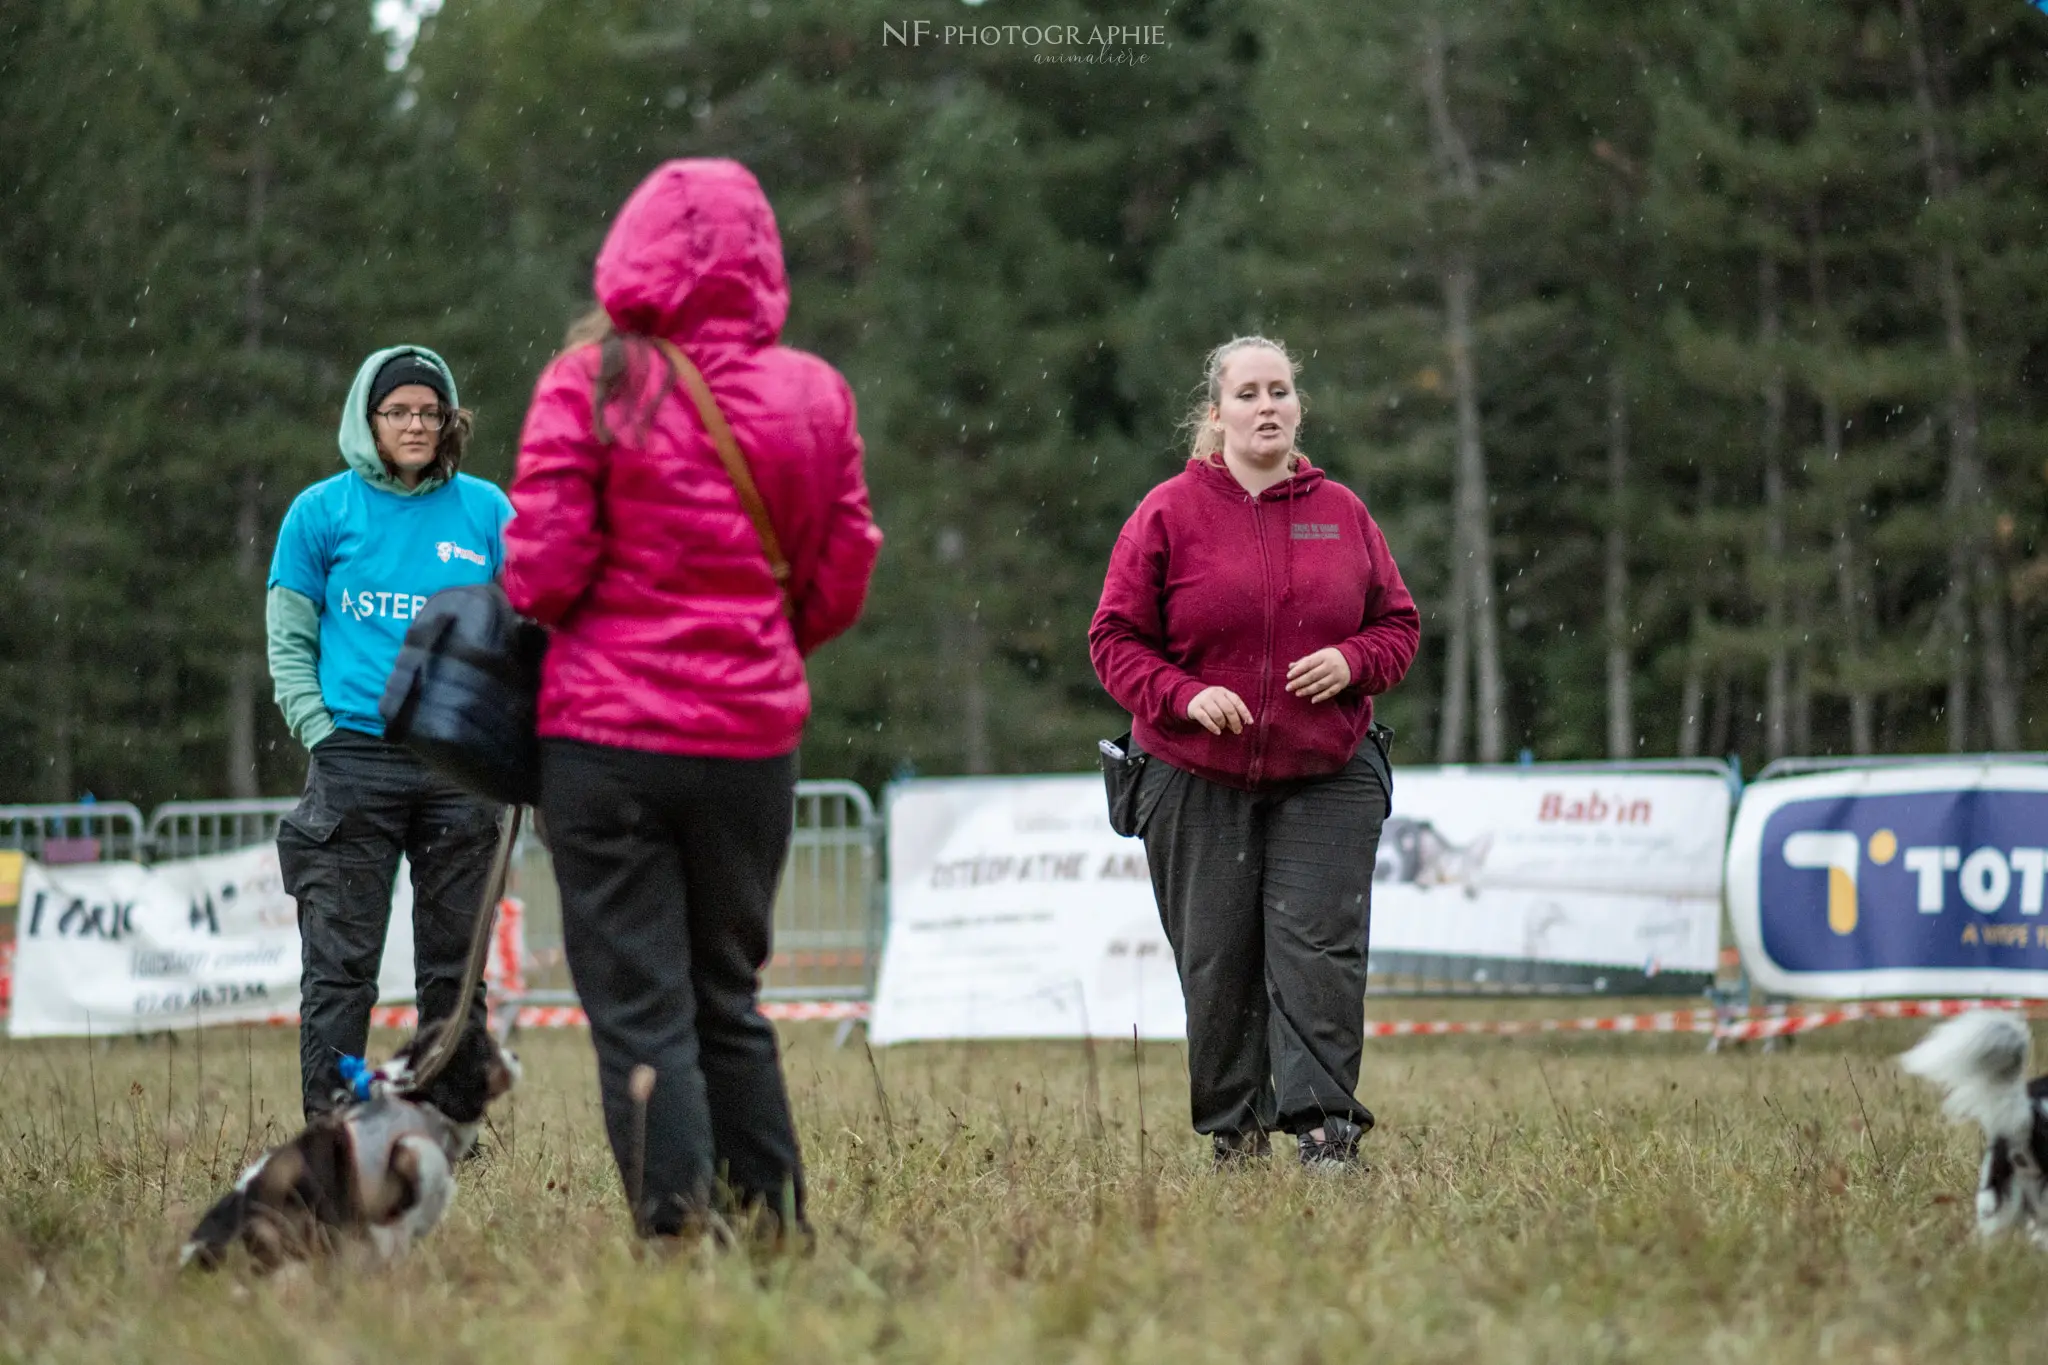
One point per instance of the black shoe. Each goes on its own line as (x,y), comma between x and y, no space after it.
(1234,1151)
(1336,1149)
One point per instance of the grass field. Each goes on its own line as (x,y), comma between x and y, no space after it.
(1549,1199)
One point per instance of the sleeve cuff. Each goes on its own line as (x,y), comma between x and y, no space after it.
(1354,659)
(1182,694)
(318,726)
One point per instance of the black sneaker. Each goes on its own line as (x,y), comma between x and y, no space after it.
(1234,1151)
(1336,1149)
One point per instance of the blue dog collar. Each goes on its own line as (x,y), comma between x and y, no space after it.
(356,1074)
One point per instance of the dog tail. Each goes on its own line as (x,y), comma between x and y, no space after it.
(219,1230)
(1980,1062)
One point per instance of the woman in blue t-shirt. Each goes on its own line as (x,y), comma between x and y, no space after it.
(358,555)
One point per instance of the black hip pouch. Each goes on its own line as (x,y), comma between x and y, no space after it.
(1122,768)
(1378,752)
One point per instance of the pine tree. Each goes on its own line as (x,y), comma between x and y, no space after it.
(209,256)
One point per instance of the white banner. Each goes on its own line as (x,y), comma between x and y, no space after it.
(1615,868)
(1015,911)
(121,948)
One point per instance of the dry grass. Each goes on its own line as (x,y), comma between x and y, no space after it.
(1532,1200)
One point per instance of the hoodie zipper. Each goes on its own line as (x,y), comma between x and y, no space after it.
(1258,762)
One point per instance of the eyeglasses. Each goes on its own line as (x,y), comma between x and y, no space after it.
(431,418)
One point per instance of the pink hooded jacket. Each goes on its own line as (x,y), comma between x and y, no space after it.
(669,633)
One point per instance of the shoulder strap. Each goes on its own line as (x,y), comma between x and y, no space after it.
(735,466)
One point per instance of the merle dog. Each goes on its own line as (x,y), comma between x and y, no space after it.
(380,1168)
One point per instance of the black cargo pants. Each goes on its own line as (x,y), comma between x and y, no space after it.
(668,866)
(1266,898)
(366,803)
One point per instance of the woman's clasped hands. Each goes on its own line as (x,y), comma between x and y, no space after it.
(1318,677)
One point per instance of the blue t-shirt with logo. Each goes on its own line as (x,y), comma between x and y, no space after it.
(370,560)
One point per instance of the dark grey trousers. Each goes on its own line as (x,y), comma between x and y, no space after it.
(1267,900)
(366,803)
(668,867)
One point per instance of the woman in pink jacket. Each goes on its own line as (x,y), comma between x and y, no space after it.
(674,697)
(1250,614)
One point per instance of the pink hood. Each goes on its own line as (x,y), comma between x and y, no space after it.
(669,630)
(694,255)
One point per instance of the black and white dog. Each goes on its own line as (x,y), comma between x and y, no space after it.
(382,1168)
(1980,1063)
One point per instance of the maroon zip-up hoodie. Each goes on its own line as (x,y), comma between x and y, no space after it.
(1211,586)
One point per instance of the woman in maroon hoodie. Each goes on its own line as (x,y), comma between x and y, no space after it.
(673,697)
(1250,614)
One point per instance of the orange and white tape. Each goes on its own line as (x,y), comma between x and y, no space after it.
(1729,1027)
(506,966)
(1746,1025)
(572,1016)
(804,1011)
(1663,1021)
(1782,1024)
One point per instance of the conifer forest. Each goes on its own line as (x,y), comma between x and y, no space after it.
(1687,353)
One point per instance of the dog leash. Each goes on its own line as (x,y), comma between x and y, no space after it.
(443,1050)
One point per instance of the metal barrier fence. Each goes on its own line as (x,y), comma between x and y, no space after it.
(828,913)
(1796,767)
(195,829)
(81,832)
(828,916)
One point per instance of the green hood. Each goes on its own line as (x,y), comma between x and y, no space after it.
(359,444)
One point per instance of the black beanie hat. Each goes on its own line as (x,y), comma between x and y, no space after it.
(401,370)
